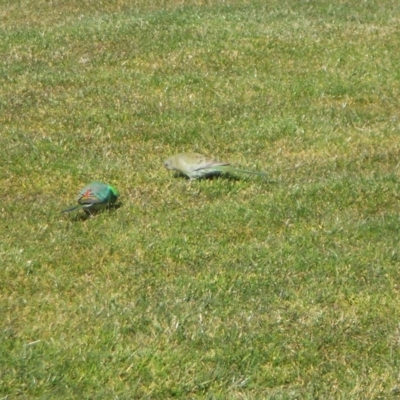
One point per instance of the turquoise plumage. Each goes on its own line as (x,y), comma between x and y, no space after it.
(94,197)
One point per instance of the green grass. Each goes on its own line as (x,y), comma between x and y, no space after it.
(215,289)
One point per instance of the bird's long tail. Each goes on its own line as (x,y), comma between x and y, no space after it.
(228,168)
(73,208)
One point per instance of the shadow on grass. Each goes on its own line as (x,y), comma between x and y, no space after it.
(226,176)
(83,216)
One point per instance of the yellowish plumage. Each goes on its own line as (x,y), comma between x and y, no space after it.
(196,165)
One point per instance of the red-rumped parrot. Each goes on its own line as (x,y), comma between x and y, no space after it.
(95,196)
(195,165)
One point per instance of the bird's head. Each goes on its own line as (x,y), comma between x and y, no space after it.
(114,191)
(168,164)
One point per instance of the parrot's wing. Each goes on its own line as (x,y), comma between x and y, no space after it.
(202,162)
(90,195)
(211,164)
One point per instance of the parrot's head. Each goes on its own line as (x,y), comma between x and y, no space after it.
(168,164)
(114,191)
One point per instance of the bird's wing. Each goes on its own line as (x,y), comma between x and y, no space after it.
(93,195)
(200,161)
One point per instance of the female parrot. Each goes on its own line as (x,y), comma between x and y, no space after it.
(195,165)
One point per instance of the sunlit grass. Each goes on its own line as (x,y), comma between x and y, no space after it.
(219,288)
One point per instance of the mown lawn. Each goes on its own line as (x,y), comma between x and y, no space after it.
(226,288)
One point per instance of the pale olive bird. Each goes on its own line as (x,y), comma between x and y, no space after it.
(196,165)
(94,197)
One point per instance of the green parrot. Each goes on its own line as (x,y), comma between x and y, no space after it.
(95,196)
(195,165)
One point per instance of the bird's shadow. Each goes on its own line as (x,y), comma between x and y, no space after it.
(211,177)
(83,216)
(225,176)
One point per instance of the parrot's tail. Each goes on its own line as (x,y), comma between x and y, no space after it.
(251,172)
(228,168)
(73,208)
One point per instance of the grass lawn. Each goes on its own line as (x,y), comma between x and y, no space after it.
(286,288)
